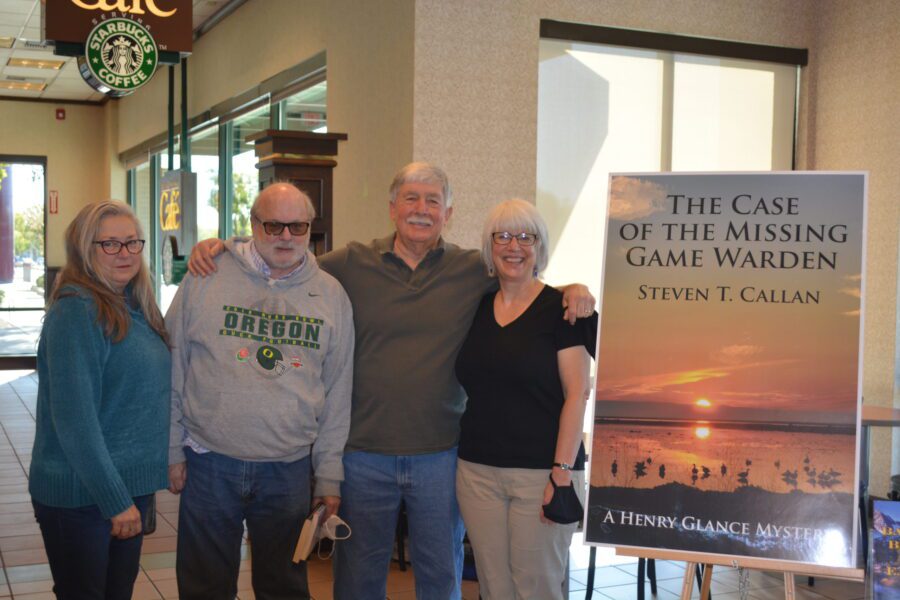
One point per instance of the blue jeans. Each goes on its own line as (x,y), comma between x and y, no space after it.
(374,485)
(86,561)
(220,493)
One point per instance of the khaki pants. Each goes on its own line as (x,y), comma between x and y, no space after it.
(517,556)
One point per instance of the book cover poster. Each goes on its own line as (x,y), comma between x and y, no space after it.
(728,371)
(885,558)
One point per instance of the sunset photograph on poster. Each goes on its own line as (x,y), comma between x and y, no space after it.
(729,365)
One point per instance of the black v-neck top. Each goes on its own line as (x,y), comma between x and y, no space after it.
(511,376)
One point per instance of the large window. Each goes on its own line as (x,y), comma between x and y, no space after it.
(205,163)
(243,166)
(604,108)
(224,162)
(305,110)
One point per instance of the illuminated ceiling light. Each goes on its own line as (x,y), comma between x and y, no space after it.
(30,63)
(7,42)
(22,85)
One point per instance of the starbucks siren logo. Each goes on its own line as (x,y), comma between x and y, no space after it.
(121,56)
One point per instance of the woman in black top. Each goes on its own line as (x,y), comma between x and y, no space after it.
(525,370)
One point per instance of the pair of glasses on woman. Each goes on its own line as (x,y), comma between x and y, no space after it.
(115,246)
(503,238)
(297,228)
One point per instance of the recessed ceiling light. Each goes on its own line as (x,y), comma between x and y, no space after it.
(7,42)
(22,85)
(32,63)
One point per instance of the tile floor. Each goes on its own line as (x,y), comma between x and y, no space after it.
(25,574)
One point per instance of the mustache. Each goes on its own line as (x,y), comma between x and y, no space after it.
(419,221)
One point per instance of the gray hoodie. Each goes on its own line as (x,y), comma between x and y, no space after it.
(262,369)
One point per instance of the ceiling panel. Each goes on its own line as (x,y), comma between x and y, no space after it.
(20,7)
(8,19)
(42,74)
(70,71)
(20,93)
(21,19)
(69,85)
(35,54)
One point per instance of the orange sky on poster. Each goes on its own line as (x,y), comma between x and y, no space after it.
(756,342)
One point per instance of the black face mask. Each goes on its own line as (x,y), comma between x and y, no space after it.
(564,506)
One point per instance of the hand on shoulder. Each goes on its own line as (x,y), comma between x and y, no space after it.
(202,260)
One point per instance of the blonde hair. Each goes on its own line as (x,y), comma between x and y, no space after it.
(81,270)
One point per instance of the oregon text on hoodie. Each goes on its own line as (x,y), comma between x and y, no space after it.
(262,369)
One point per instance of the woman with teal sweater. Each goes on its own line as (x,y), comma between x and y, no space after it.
(101,446)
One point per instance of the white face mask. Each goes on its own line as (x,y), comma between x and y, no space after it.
(334,528)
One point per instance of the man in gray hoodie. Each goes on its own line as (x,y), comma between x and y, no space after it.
(262,369)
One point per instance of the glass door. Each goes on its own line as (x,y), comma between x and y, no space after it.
(23,281)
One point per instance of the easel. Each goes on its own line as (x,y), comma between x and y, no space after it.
(872,416)
(709,561)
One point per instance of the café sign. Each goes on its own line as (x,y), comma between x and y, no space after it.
(170,207)
(177,221)
(169,21)
(125,7)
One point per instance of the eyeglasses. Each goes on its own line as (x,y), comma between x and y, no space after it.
(115,246)
(276,227)
(503,238)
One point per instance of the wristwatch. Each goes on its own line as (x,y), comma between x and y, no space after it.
(563,466)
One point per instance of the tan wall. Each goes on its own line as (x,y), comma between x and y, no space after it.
(476,111)
(369,54)
(853,125)
(477,68)
(79,163)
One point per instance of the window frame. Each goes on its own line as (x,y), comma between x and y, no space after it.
(682,44)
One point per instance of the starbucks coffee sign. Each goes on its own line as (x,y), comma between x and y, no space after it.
(118,42)
(120,56)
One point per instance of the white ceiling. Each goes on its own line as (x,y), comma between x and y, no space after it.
(21,19)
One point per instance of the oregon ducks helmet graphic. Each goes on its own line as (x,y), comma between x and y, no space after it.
(270,358)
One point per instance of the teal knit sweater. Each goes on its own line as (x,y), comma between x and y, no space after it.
(102,411)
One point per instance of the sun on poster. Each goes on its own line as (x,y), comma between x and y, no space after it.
(729,371)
